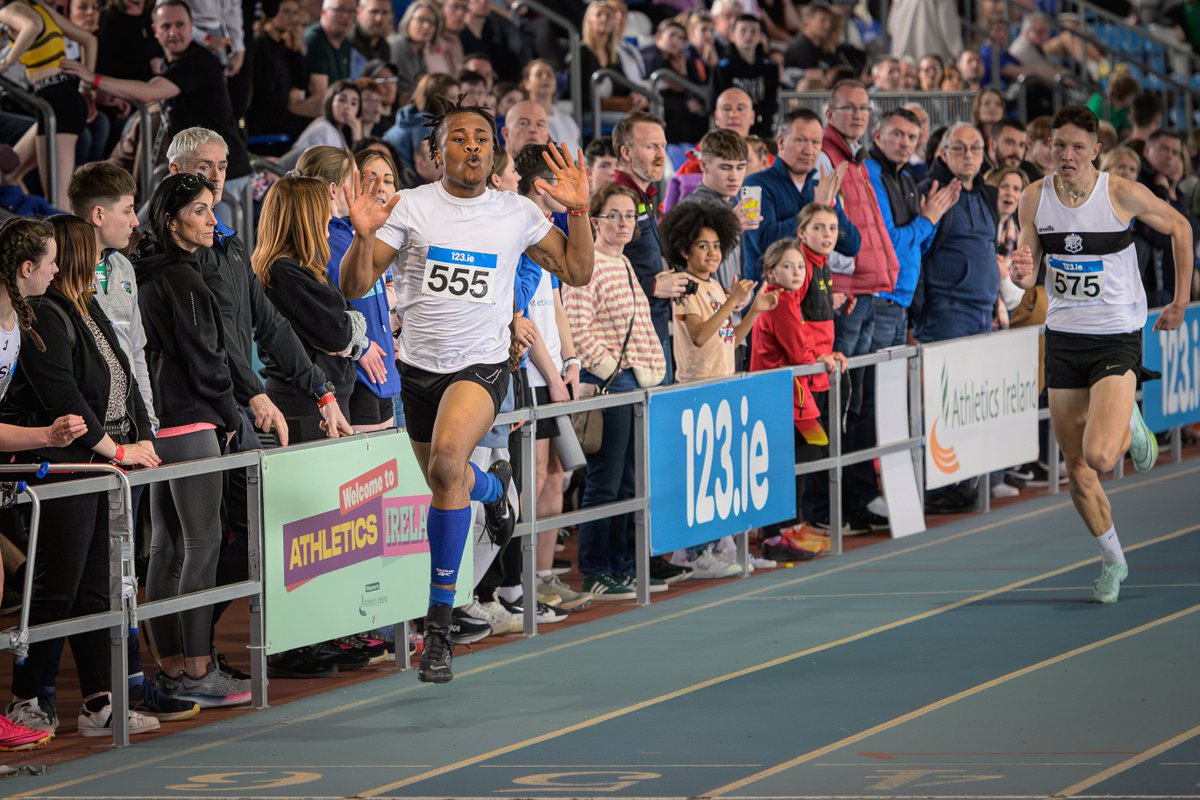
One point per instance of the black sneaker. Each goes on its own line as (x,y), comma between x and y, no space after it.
(667,572)
(344,658)
(299,663)
(465,629)
(866,522)
(499,513)
(224,666)
(436,656)
(545,613)
(1041,474)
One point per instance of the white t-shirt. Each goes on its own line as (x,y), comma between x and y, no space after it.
(541,313)
(455,268)
(10,347)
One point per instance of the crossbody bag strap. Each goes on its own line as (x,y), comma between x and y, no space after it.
(628,334)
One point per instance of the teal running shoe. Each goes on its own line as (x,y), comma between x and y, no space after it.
(1143,447)
(1108,585)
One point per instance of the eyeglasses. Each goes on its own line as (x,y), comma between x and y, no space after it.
(959,149)
(425,20)
(617,216)
(386,80)
(853,109)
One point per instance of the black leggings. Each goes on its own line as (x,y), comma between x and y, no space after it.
(184,545)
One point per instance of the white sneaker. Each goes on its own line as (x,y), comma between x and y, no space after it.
(709,567)
(1004,491)
(496,615)
(878,506)
(31,714)
(99,723)
(729,556)
(761,563)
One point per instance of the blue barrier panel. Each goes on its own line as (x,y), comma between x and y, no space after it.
(721,459)
(1174,400)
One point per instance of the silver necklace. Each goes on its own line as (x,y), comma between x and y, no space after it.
(1074,196)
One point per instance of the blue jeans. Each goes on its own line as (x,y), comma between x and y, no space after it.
(947,318)
(891,324)
(605,545)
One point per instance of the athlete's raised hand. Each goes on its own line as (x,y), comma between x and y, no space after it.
(571,184)
(366,214)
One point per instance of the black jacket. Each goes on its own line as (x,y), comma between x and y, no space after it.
(1156,259)
(68,377)
(185,342)
(317,312)
(248,317)
(760,80)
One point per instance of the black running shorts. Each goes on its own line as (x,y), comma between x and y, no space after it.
(1078,361)
(421,392)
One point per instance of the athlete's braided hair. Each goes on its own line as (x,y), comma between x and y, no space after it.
(441,108)
(22,240)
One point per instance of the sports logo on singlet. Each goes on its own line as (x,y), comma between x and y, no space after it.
(1076,280)
(459,274)
(1073,243)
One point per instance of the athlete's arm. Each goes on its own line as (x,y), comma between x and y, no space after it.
(1029,247)
(1135,200)
(367,258)
(568,257)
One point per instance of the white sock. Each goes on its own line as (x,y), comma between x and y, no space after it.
(510,593)
(545,573)
(1110,547)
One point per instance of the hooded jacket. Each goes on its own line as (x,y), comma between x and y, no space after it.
(900,208)
(960,265)
(185,341)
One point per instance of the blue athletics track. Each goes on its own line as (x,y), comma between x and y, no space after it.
(965,662)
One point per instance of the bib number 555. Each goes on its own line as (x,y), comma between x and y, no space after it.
(458,282)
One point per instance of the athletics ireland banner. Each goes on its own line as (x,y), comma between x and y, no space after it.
(981,405)
(344,544)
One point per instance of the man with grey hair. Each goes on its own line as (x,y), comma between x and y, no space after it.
(959,275)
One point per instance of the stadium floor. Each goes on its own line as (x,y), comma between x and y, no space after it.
(965,662)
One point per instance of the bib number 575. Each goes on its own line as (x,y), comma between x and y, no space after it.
(1076,286)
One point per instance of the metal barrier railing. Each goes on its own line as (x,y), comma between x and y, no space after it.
(617,76)
(145,153)
(123,616)
(44,112)
(575,72)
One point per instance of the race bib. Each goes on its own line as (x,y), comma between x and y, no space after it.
(1077,280)
(459,274)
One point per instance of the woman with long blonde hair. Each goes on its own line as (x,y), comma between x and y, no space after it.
(600,37)
(289,260)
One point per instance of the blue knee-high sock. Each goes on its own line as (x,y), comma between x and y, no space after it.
(448,529)
(487,486)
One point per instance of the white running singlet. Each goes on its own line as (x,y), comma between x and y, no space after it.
(1092,279)
(10,348)
(455,265)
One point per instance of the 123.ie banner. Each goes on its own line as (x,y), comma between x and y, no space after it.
(722,459)
(344,540)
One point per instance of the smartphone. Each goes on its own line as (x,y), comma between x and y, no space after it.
(751,198)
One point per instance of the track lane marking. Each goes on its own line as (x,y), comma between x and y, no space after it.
(1128,763)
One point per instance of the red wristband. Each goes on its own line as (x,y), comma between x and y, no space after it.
(326,400)
(96,82)
(578,212)
(120,454)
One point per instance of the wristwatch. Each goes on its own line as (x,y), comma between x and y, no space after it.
(325,388)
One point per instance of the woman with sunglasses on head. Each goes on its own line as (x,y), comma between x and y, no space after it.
(197,413)
(71,363)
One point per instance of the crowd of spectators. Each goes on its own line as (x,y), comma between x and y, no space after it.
(786,233)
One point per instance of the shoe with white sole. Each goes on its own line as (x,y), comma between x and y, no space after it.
(99,723)
(1143,446)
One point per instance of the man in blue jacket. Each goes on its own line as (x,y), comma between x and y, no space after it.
(911,220)
(790,184)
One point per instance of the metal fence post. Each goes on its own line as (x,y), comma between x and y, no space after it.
(122,597)
(916,422)
(529,512)
(254,534)
(641,489)
(835,472)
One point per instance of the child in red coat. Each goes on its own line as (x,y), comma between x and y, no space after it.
(799,330)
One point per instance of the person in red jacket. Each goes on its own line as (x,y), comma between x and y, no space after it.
(799,330)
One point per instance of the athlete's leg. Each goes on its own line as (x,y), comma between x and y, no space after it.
(1106,437)
(1069,417)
